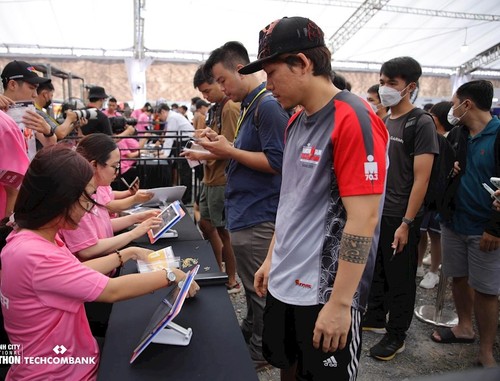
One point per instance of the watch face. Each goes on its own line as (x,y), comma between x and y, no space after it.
(171,276)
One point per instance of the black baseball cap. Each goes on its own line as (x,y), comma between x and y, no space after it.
(23,71)
(285,35)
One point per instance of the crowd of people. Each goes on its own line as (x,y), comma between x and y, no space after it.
(321,202)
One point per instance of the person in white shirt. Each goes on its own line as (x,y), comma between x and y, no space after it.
(178,130)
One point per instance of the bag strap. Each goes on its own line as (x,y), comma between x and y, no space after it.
(409,129)
(256,112)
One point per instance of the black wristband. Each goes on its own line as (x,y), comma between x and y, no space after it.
(408,221)
(51,133)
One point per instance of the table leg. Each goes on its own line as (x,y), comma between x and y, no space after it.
(436,314)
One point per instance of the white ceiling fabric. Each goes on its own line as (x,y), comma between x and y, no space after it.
(201,26)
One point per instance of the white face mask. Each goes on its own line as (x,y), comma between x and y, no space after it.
(452,119)
(389,97)
(374,108)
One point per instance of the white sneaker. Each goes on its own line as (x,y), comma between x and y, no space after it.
(420,271)
(427,260)
(430,280)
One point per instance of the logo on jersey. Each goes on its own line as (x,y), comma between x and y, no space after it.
(310,155)
(300,284)
(371,169)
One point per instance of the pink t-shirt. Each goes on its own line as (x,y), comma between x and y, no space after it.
(13,156)
(109,115)
(136,113)
(43,290)
(127,146)
(142,122)
(93,226)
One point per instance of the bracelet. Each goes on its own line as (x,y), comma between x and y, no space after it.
(119,257)
(408,221)
(50,134)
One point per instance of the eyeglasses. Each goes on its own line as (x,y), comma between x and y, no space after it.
(116,167)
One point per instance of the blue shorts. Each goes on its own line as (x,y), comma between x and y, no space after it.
(288,334)
(430,222)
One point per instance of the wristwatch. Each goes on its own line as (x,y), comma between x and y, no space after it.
(51,133)
(180,284)
(171,277)
(408,221)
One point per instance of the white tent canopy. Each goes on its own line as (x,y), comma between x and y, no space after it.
(438,33)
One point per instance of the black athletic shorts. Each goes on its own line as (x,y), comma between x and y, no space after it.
(287,339)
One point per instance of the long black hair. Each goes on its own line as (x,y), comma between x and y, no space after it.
(96,147)
(55,180)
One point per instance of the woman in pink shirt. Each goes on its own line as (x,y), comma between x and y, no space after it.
(44,286)
(95,234)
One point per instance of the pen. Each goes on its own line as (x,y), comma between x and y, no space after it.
(393,254)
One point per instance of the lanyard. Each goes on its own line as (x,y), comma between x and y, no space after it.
(244,113)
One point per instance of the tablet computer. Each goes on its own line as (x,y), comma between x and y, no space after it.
(168,309)
(165,194)
(170,216)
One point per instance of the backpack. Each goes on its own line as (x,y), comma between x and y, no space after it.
(442,167)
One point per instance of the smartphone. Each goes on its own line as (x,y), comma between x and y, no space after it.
(132,184)
(491,192)
(189,144)
(495,181)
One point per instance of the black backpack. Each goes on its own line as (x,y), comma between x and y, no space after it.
(442,167)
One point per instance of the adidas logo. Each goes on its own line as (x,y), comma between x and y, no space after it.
(331,362)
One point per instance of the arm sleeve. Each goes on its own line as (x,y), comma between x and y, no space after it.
(357,172)
(81,238)
(426,136)
(62,282)
(272,123)
(230,114)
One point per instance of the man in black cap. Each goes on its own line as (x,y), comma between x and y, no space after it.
(20,82)
(319,265)
(97,96)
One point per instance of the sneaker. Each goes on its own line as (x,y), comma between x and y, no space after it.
(377,330)
(234,289)
(420,271)
(430,280)
(427,260)
(387,348)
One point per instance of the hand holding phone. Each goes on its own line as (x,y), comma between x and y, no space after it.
(491,192)
(132,184)
(495,181)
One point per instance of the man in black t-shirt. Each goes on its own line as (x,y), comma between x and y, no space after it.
(97,95)
(393,287)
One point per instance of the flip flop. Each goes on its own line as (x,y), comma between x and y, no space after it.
(448,337)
